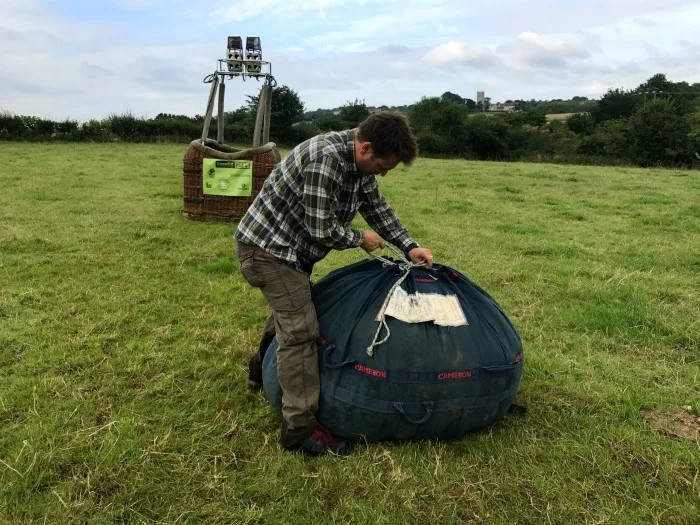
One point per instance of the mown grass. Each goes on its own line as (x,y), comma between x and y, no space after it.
(125,330)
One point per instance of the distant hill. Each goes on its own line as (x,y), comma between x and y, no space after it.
(574,105)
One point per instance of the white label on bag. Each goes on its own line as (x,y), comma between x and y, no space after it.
(446,309)
(443,310)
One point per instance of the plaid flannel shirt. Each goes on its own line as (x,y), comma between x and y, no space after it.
(309,200)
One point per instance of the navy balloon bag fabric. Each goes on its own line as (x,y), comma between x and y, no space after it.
(425,381)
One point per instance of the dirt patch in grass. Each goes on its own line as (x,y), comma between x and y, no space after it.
(680,422)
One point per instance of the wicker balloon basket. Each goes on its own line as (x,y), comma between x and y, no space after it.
(199,206)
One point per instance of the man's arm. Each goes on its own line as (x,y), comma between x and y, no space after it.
(320,202)
(381,218)
(379,215)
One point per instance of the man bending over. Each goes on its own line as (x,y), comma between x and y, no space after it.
(303,211)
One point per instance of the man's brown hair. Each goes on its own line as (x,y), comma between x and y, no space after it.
(390,134)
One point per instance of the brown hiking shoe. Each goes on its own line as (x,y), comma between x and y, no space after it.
(321,442)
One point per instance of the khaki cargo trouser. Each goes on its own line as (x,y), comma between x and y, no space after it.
(288,294)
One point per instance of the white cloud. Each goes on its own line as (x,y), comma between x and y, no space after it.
(93,84)
(644,22)
(593,89)
(407,23)
(462,54)
(27,29)
(531,49)
(447,30)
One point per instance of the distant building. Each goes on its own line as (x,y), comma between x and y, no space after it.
(500,106)
(480,98)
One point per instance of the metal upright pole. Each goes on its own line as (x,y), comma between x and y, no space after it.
(259,119)
(210,107)
(268,113)
(220,118)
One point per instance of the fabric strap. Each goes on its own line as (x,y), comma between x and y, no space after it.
(414,407)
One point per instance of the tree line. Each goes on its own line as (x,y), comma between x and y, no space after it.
(287,109)
(656,123)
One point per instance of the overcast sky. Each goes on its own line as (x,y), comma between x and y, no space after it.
(83,59)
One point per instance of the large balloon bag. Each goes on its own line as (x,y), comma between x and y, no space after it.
(423,380)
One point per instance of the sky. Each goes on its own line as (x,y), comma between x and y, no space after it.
(84,59)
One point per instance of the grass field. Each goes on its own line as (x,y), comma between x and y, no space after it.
(125,331)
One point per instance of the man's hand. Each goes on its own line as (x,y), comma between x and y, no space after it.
(371,241)
(420,255)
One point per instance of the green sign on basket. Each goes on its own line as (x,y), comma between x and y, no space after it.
(232,178)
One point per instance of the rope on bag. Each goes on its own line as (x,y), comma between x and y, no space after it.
(405,266)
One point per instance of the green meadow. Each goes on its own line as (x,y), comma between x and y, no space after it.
(125,330)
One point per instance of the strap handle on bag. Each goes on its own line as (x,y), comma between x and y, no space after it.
(326,358)
(428,405)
